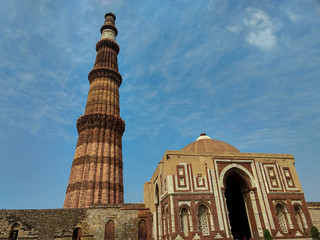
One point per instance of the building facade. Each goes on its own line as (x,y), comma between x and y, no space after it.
(314,210)
(111,221)
(207,190)
(211,190)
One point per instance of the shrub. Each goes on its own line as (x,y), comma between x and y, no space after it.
(267,235)
(314,232)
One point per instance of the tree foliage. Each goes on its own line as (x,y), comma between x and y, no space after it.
(267,235)
(314,232)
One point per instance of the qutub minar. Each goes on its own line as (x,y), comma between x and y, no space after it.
(96,173)
(206,190)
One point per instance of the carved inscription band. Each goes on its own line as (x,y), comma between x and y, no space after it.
(96,138)
(91,185)
(95,159)
(105,72)
(101,121)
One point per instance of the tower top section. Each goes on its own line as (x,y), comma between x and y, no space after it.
(108,29)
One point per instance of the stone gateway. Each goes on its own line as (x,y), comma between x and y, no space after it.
(211,190)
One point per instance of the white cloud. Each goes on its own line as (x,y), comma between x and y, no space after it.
(109,2)
(293,17)
(261,29)
(234,29)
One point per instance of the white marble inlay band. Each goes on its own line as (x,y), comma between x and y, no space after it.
(108,34)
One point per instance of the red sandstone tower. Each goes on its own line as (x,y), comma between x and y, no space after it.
(96,173)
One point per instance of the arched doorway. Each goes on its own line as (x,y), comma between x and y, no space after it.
(142,230)
(235,186)
(109,230)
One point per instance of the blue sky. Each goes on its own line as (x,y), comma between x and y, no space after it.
(244,72)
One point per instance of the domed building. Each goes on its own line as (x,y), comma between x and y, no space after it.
(211,190)
(205,144)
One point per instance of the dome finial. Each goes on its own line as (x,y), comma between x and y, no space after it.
(203,136)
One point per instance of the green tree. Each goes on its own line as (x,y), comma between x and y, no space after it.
(314,232)
(267,235)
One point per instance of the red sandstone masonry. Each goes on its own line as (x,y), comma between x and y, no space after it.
(96,172)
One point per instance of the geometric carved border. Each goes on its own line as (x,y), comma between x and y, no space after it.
(177,185)
(272,176)
(288,180)
(200,183)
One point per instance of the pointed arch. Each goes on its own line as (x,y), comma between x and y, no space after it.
(239,200)
(109,230)
(14,232)
(244,177)
(281,217)
(184,221)
(156,195)
(203,219)
(299,215)
(142,230)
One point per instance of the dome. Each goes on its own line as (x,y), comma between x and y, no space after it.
(205,144)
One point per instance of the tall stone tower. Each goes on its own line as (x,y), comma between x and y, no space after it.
(96,173)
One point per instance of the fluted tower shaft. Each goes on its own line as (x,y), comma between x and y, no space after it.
(96,173)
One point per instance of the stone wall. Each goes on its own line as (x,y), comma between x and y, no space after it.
(59,224)
(314,210)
